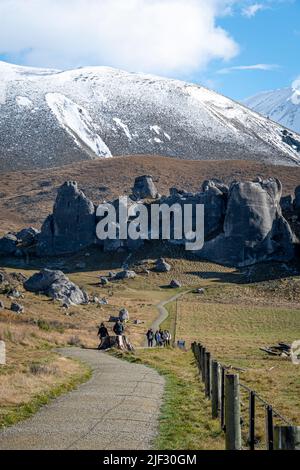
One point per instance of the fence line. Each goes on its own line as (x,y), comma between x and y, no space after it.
(224,391)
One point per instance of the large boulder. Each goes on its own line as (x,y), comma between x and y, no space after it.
(72,225)
(161,266)
(56,285)
(124,315)
(17,308)
(27,236)
(144,188)
(174,284)
(254,228)
(297,201)
(287,204)
(214,198)
(8,244)
(126,274)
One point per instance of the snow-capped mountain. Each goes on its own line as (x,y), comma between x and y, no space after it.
(281,105)
(50,118)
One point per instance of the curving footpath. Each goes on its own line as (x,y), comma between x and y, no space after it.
(118,408)
(163,313)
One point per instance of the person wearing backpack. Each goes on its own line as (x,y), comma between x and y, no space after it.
(118,328)
(150,336)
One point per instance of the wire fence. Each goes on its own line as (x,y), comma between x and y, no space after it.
(246,418)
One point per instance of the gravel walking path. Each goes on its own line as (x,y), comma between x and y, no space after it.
(118,408)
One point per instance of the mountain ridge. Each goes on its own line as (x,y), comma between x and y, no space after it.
(282,105)
(50,118)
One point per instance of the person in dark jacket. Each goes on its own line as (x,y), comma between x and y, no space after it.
(102,333)
(118,328)
(150,336)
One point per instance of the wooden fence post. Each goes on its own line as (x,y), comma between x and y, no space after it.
(269,428)
(199,355)
(222,399)
(287,437)
(232,413)
(207,366)
(215,389)
(252,420)
(203,364)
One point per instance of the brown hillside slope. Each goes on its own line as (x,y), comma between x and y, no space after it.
(26,197)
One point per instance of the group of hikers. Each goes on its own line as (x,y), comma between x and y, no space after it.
(103,333)
(161,337)
(118,329)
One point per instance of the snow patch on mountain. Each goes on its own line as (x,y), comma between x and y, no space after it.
(24,102)
(77,122)
(124,128)
(282,105)
(156,129)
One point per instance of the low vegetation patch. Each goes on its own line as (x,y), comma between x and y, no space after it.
(185,414)
(52,388)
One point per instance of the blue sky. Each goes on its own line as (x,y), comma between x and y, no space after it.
(238,48)
(271,37)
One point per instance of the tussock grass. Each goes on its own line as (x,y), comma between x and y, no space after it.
(185,422)
(234,332)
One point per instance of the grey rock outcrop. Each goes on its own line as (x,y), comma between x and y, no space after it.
(126,274)
(27,236)
(1,305)
(297,201)
(57,286)
(254,228)
(8,244)
(174,284)
(144,188)
(17,308)
(287,204)
(124,315)
(104,281)
(72,225)
(161,266)
(213,197)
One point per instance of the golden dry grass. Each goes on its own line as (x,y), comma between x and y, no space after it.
(185,421)
(233,332)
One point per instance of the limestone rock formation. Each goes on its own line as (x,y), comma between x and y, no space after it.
(126,274)
(27,236)
(287,204)
(8,244)
(161,266)
(17,308)
(57,286)
(124,315)
(144,188)
(297,201)
(174,284)
(254,228)
(243,224)
(72,225)
(213,197)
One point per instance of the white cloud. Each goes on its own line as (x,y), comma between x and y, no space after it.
(159,36)
(266,67)
(251,10)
